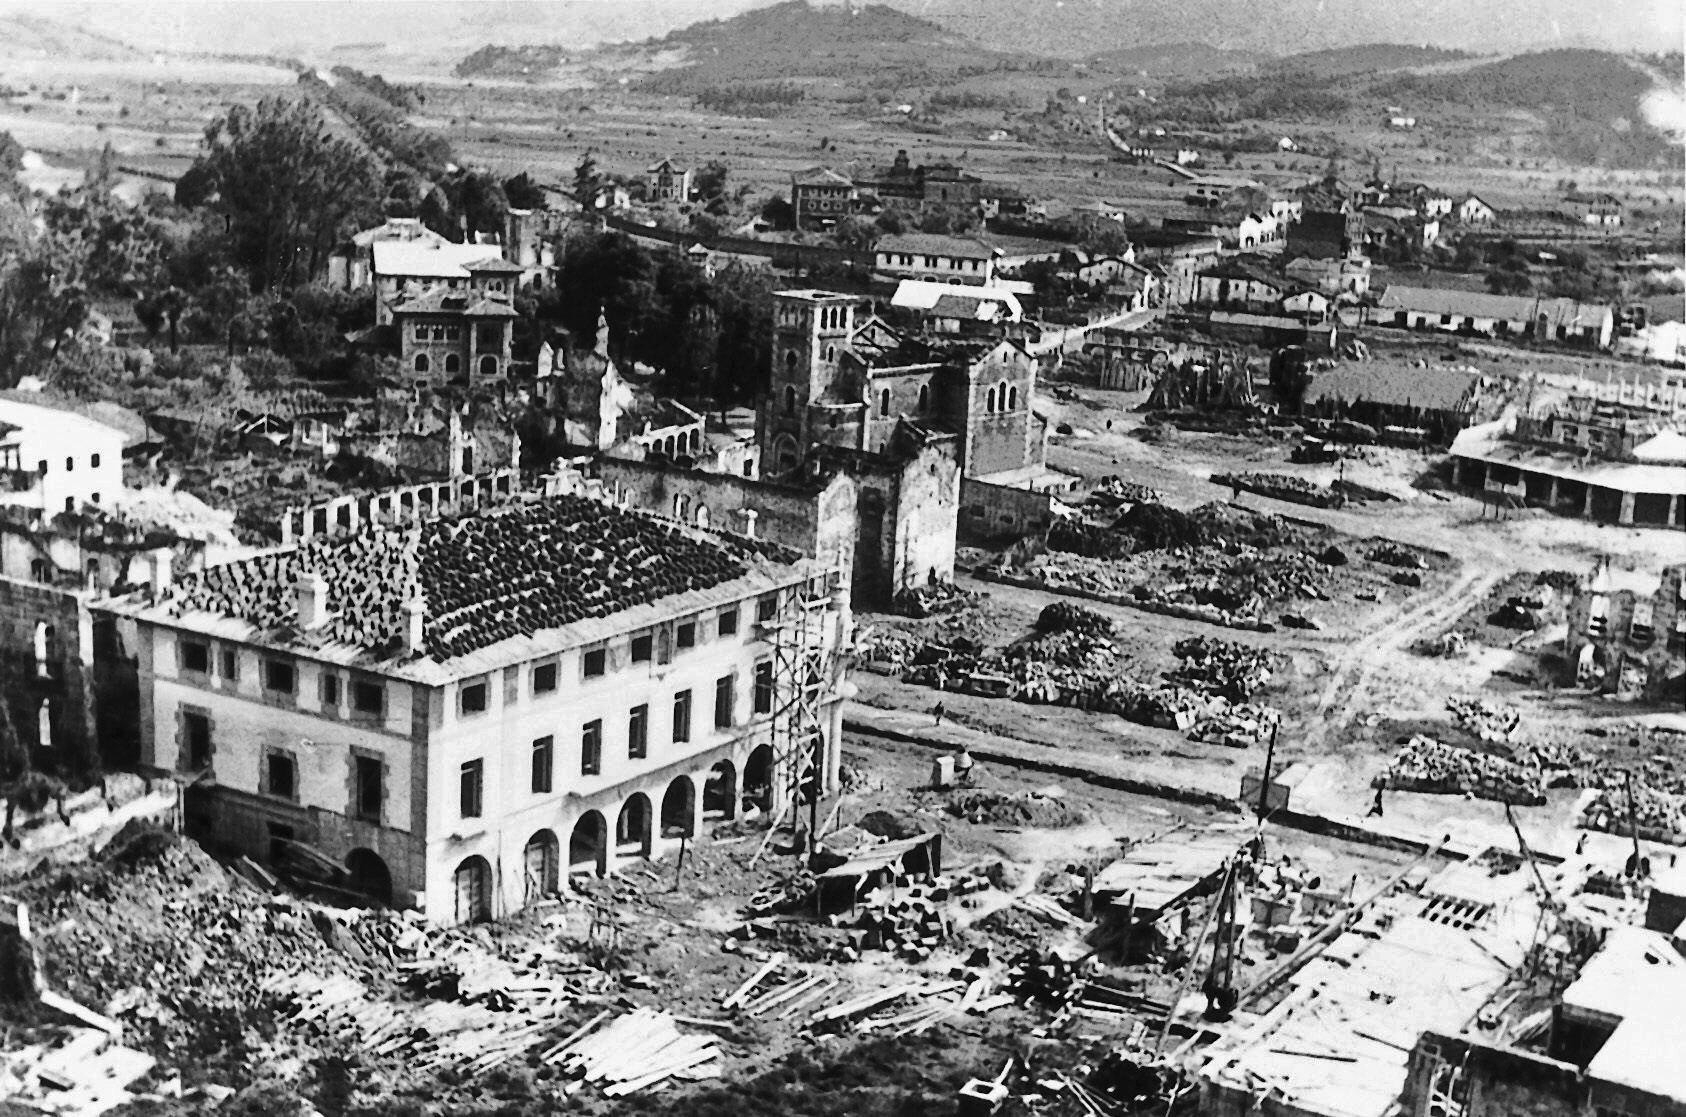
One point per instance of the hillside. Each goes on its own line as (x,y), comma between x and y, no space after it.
(1587,100)
(1174,60)
(25,36)
(1073,29)
(1579,106)
(867,46)
(768,54)
(1366,58)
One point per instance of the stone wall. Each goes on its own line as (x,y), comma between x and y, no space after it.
(46,656)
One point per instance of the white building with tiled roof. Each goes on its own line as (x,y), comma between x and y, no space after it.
(459,709)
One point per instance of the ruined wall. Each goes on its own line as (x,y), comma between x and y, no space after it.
(58,686)
(927,510)
(999,392)
(783,514)
(990,510)
(1489,1081)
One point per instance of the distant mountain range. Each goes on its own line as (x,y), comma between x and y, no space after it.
(1076,28)
(440,32)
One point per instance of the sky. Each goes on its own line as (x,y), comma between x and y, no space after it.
(297,26)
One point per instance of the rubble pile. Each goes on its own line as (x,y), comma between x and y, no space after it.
(1391,554)
(1659,815)
(1068,616)
(1089,540)
(933,600)
(483,577)
(1221,667)
(1427,765)
(1280,486)
(1131,491)
(1486,721)
(1238,727)
(159,936)
(887,650)
(1030,809)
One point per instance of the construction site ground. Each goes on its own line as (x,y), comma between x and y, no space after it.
(185,954)
(1350,694)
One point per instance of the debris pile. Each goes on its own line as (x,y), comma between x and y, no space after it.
(1486,721)
(1221,667)
(1280,486)
(1427,765)
(140,933)
(1391,554)
(1238,727)
(1130,491)
(1068,616)
(1029,809)
(933,600)
(1660,816)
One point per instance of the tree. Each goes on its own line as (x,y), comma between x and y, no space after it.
(1503,281)
(288,187)
(710,180)
(855,233)
(43,293)
(522,192)
(465,203)
(588,182)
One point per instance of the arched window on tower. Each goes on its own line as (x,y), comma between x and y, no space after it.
(884,403)
(1001,395)
(790,401)
(1012,399)
(422,363)
(991,407)
(924,398)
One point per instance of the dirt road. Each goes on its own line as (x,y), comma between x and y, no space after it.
(1362,664)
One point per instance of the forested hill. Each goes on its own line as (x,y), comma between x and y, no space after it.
(785,43)
(1589,100)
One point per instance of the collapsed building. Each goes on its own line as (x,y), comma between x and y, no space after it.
(1608,1043)
(869,451)
(70,532)
(1626,632)
(457,709)
(1614,454)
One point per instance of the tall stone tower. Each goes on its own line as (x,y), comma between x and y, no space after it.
(809,399)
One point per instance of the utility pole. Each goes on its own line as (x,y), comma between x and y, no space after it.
(1264,785)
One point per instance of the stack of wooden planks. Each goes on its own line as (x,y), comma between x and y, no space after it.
(637,1051)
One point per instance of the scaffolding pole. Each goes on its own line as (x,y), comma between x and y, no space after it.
(807,669)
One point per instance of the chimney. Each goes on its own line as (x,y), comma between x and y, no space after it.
(162,570)
(415,613)
(311,593)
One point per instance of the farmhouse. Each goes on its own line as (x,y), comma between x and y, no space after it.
(821,196)
(1471,210)
(1438,400)
(1603,211)
(1474,312)
(667,181)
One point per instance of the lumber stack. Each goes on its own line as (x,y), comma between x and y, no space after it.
(637,1051)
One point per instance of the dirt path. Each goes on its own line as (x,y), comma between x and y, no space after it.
(1357,668)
